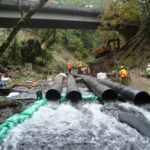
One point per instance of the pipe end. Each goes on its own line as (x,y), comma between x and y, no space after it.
(109,95)
(142,98)
(52,94)
(74,96)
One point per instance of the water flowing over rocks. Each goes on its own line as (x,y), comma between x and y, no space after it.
(84,126)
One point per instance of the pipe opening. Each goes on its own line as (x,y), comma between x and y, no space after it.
(52,94)
(74,96)
(109,95)
(142,98)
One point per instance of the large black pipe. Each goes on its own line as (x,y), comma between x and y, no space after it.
(140,125)
(73,92)
(100,90)
(54,93)
(139,97)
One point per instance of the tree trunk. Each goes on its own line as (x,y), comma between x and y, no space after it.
(19,25)
(147,3)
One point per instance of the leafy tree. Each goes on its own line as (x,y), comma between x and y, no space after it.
(126,12)
(19,25)
(75,43)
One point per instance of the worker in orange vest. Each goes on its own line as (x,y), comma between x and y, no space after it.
(79,65)
(123,74)
(88,70)
(69,66)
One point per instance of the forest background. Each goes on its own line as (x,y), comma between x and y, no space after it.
(42,46)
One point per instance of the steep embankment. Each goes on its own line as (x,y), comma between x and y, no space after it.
(138,81)
(135,58)
(135,55)
(60,57)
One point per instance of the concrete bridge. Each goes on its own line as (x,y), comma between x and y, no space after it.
(49,16)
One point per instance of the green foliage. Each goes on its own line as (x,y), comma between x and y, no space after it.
(127,12)
(146,28)
(57,46)
(94,3)
(79,41)
(78,55)
(4,61)
(76,2)
(14,52)
(75,43)
(84,55)
(30,50)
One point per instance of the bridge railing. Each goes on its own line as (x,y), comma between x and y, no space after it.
(50,6)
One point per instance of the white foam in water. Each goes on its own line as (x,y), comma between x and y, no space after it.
(12,94)
(68,127)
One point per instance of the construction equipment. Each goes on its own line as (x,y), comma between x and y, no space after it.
(108,48)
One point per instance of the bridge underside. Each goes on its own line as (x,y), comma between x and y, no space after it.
(56,24)
(49,16)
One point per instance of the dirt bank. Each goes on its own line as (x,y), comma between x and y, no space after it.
(138,81)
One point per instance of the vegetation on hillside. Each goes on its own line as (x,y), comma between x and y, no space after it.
(80,43)
(124,12)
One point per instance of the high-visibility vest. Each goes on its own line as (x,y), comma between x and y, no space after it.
(123,73)
(148,71)
(69,65)
(79,64)
(88,70)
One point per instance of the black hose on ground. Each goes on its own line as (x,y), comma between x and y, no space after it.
(137,96)
(73,92)
(54,93)
(140,125)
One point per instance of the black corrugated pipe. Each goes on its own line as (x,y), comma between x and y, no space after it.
(139,97)
(100,90)
(73,92)
(54,93)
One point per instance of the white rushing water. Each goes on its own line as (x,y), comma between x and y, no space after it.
(67,127)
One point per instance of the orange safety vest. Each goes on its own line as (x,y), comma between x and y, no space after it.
(79,64)
(69,65)
(88,70)
(123,73)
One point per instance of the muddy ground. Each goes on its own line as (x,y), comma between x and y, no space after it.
(10,107)
(138,81)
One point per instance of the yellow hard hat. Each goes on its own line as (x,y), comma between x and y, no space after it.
(121,67)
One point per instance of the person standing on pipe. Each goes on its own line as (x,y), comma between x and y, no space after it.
(123,75)
(69,66)
(79,65)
